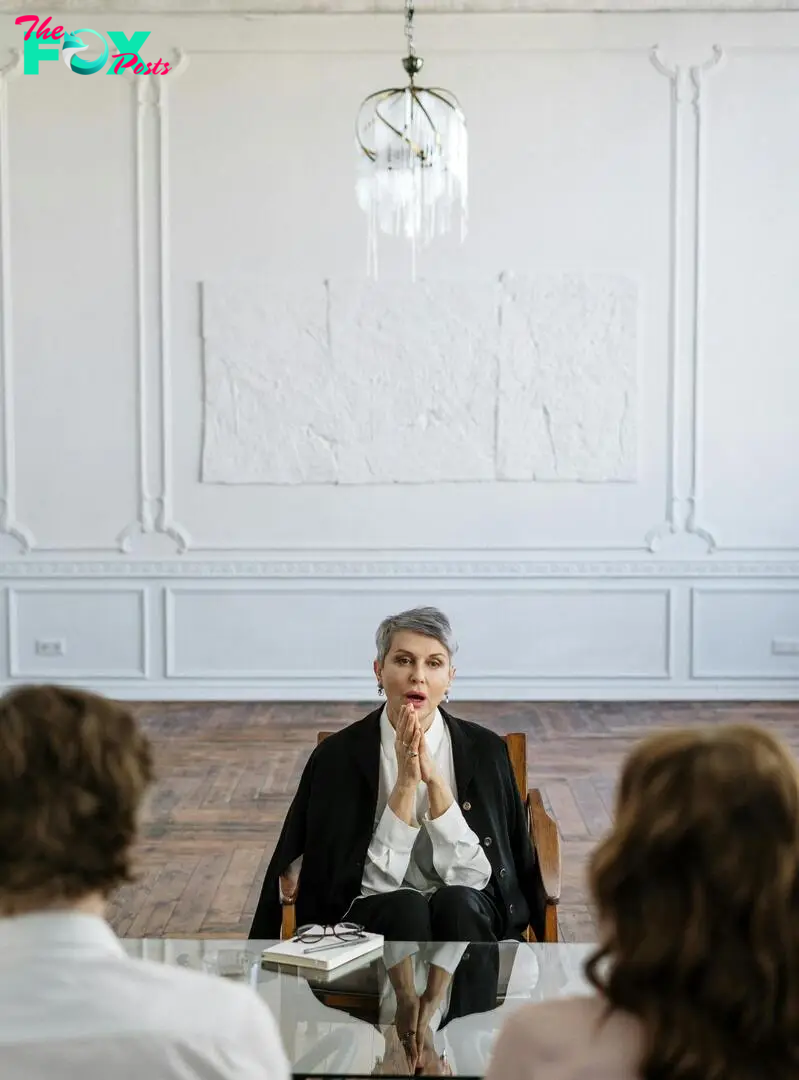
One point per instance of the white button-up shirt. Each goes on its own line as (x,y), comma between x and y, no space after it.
(433,851)
(74,1005)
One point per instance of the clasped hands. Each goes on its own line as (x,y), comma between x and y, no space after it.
(415,765)
(409,1041)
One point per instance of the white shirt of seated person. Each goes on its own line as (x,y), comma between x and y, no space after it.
(430,852)
(74,1004)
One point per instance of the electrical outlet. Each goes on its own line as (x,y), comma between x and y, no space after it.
(785,646)
(50,647)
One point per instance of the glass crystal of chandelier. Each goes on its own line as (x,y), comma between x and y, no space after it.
(412,160)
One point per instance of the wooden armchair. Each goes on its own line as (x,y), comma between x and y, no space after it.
(543,833)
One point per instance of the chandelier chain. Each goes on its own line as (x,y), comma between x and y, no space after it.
(409,11)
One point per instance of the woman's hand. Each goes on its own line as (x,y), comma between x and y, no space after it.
(428,1062)
(428,766)
(438,790)
(407,742)
(288,887)
(423,1033)
(438,980)
(407,1024)
(396,1060)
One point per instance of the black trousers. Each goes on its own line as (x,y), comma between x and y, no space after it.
(453,913)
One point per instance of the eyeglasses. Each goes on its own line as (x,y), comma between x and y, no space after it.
(343,931)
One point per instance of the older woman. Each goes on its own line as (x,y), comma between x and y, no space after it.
(408,822)
(697,890)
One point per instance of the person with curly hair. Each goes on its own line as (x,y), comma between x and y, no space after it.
(696,886)
(74,768)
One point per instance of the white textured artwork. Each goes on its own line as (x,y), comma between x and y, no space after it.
(378,382)
(567,379)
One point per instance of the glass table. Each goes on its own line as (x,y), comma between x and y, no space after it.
(358,1021)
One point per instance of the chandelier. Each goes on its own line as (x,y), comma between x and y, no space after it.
(412,159)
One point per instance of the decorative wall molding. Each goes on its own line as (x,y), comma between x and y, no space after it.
(155,514)
(686,225)
(682,518)
(697,75)
(700,673)
(682,478)
(171,595)
(15,669)
(9,526)
(375,569)
(165,522)
(145,522)
(675,76)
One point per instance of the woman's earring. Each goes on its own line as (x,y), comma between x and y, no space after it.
(380,690)
(446,695)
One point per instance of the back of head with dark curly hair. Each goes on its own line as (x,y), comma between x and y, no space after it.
(697,891)
(73,770)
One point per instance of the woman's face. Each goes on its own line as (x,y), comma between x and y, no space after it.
(417,669)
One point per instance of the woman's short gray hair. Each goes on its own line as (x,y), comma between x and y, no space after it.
(421,620)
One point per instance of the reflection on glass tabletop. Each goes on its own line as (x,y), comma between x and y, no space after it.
(425,1009)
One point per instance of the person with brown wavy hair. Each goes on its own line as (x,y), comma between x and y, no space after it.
(697,892)
(74,768)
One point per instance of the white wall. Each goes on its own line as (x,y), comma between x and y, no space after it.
(155,235)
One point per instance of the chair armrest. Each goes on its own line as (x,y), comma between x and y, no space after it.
(546,841)
(288,925)
(288,887)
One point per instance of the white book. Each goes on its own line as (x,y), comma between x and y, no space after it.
(325,955)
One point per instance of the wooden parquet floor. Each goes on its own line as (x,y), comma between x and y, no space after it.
(227,772)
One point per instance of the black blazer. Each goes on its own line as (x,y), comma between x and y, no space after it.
(475,983)
(331,821)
